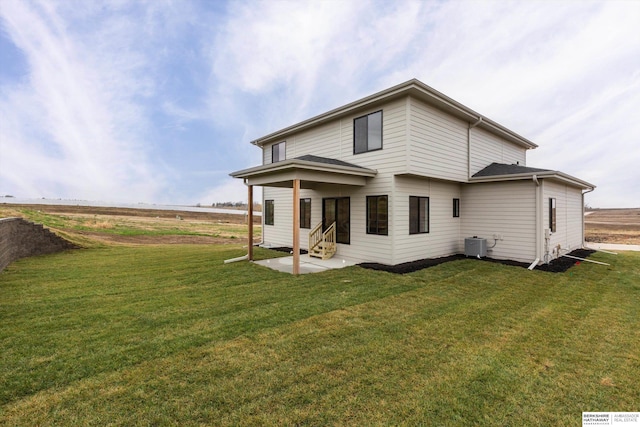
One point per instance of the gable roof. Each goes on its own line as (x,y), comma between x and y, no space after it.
(414,88)
(504,172)
(309,169)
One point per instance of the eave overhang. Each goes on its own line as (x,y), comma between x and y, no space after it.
(282,174)
(555,175)
(413,88)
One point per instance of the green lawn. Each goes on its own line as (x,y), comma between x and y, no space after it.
(169,335)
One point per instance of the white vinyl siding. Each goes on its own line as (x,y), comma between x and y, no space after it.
(505,208)
(487,148)
(335,140)
(438,143)
(281,233)
(568,215)
(444,230)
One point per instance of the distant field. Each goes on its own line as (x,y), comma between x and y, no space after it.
(86,225)
(613,226)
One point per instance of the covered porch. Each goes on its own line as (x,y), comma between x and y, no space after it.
(305,172)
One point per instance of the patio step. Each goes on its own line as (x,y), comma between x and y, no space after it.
(319,250)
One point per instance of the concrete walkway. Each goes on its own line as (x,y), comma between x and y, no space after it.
(612,246)
(307,264)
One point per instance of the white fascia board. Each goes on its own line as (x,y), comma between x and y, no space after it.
(303,164)
(560,176)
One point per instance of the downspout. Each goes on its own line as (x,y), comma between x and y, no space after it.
(538,223)
(471,126)
(249,248)
(588,191)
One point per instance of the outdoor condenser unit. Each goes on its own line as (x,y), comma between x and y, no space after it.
(475,246)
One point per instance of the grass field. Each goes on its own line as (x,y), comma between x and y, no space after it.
(169,335)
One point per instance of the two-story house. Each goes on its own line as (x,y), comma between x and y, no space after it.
(406,174)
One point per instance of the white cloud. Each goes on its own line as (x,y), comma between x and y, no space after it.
(72,124)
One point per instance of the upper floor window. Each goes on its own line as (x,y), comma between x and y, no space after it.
(552,214)
(268,212)
(418,215)
(377,215)
(278,152)
(367,133)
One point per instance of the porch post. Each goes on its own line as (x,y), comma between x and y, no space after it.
(250,215)
(296,226)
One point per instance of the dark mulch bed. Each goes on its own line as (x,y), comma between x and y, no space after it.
(410,267)
(559,265)
(562,264)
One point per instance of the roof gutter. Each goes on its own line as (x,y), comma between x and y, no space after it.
(550,174)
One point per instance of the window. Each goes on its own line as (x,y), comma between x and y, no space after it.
(456,208)
(367,133)
(552,214)
(377,215)
(278,152)
(305,213)
(418,215)
(268,212)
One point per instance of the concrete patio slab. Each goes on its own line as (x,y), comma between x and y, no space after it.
(307,264)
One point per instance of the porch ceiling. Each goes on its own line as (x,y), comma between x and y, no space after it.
(310,170)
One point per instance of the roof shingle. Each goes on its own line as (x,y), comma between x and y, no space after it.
(497,169)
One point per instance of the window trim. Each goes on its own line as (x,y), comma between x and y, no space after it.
(284,151)
(269,212)
(368,150)
(378,228)
(553,219)
(456,207)
(305,213)
(427,215)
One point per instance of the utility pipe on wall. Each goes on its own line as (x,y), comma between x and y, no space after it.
(471,126)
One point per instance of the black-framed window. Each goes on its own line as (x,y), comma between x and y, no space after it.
(305,213)
(367,133)
(456,208)
(378,215)
(268,212)
(418,215)
(278,152)
(552,214)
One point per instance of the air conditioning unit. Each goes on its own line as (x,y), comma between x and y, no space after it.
(475,246)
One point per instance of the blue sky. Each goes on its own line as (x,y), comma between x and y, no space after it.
(156,101)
